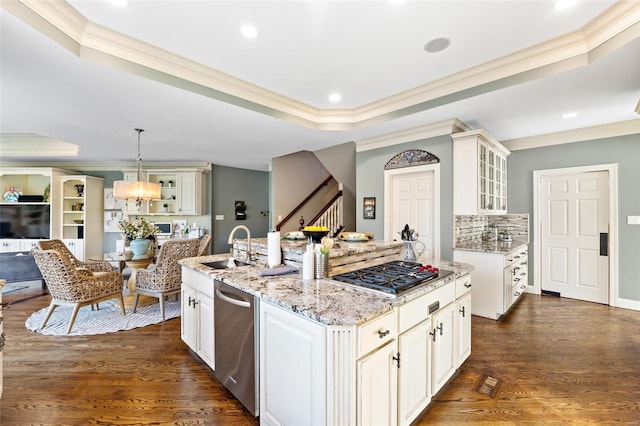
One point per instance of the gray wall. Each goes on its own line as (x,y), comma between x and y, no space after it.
(340,161)
(625,151)
(370,178)
(231,184)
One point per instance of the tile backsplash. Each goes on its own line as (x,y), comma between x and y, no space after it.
(470,228)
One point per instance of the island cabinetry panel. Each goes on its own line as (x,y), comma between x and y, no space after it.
(414,381)
(197,327)
(443,340)
(2,338)
(463,329)
(479,174)
(378,387)
(292,368)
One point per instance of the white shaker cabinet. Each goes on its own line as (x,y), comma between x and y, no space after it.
(414,382)
(197,327)
(443,340)
(292,368)
(463,319)
(2,338)
(479,174)
(495,288)
(10,245)
(377,376)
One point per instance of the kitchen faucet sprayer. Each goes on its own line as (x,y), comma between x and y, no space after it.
(232,233)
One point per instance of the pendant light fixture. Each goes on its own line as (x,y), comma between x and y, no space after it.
(137,190)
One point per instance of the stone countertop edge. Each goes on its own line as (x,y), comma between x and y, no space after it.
(499,247)
(324,301)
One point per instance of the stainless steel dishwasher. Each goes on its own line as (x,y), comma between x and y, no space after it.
(235,314)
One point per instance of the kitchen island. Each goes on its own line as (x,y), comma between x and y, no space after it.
(329,353)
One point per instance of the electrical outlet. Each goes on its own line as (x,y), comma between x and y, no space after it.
(633,220)
(219,217)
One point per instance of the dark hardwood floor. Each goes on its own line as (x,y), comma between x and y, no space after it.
(560,361)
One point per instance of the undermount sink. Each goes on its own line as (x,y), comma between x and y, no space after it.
(224,264)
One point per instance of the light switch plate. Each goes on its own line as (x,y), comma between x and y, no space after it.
(633,220)
(219,217)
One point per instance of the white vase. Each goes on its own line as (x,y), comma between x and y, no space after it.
(139,247)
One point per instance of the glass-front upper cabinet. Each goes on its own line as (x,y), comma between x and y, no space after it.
(479,174)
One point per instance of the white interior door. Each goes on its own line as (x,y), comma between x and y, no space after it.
(412,195)
(575,218)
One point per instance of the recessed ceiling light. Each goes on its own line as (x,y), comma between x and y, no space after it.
(394,2)
(570,115)
(119,3)
(335,97)
(249,31)
(437,45)
(565,4)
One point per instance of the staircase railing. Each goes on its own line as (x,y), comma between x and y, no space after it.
(303,202)
(331,215)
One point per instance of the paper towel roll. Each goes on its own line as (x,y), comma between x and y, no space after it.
(273,249)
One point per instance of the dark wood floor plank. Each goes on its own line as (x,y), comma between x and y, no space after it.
(560,361)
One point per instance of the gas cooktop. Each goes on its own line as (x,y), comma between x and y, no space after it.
(392,277)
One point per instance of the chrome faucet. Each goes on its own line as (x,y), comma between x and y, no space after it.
(248,250)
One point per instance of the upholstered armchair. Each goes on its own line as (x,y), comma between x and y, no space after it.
(76,287)
(165,277)
(60,247)
(203,248)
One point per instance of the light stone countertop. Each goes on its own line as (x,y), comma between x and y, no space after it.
(324,301)
(498,247)
(340,248)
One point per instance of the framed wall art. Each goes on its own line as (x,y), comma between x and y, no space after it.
(369,208)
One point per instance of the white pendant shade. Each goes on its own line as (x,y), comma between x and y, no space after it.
(136,190)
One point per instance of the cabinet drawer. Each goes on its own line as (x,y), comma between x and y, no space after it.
(417,310)
(377,333)
(463,285)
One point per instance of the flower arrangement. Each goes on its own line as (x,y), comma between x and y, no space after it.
(325,245)
(141,228)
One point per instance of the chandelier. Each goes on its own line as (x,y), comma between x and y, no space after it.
(137,190)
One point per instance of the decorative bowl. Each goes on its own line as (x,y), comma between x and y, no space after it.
(79,221)
(316,236)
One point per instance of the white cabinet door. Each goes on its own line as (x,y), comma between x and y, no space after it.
(205,329)
(377,387)
(292,368)
(442,361)
(28,245)
(463,329)
(414,386)
(187,193)
(9,246)
(76,247)
(188,317)
(197,328)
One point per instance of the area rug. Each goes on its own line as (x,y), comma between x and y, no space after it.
(8,288)
(108,319)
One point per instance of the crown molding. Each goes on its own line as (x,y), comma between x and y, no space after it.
(440,128)
(32,145)
(621,128)
(65,25)
(110,167)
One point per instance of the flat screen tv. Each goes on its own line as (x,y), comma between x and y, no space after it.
(25,221)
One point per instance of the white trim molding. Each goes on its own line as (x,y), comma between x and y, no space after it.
(621,128)
(612,169)
(62,23)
